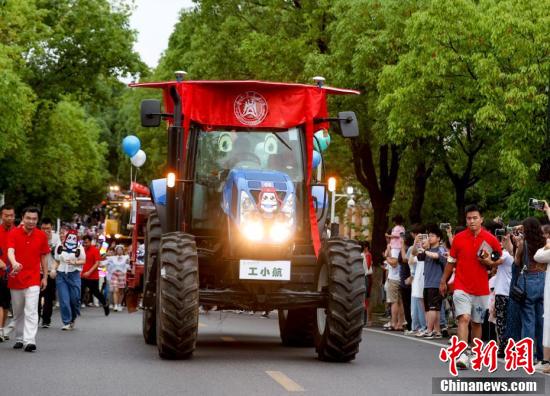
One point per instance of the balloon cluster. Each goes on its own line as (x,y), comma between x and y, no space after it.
(131,147)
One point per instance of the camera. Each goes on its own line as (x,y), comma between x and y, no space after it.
(500,233)
(536,204)
(444,226)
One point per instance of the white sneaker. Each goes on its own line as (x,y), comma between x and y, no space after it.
(420,333)
(409,332)
(67,327)
(462,362)
(542,365)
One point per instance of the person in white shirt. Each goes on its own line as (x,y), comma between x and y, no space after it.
(117,266)
(70,257)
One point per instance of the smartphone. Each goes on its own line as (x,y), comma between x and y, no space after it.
(536,204)
(424,237)
(499,233)
(444,226)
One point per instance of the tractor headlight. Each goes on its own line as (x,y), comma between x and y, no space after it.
(253,230)
(280,232)
(251,224)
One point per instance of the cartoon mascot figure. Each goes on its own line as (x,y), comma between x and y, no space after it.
(69,249)
(269,200)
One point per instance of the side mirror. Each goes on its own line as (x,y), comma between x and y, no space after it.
(150,113)
(320,201)
(348,124)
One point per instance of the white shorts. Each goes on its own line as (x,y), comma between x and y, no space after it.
(468,304)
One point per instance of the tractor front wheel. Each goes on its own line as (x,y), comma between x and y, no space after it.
(338,327)
(177,296)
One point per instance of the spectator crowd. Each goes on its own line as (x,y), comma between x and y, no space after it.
(488,279)
(41,270)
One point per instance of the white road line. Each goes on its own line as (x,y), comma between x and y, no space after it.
(285,382)
(418,339)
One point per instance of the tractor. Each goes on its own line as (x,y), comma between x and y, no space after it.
(240,218)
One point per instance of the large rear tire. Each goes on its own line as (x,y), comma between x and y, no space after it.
(296,326)
(177,296)
(152,244)
(338,327)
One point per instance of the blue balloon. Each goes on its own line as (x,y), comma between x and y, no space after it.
(131,145)
(316,159)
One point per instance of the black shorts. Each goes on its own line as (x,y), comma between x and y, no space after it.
(5,295)
(432,299)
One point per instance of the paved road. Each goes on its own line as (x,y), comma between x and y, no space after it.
(236,355)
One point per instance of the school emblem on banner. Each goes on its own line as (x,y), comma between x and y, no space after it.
(250,108)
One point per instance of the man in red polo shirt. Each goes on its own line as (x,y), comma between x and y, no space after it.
(7,213)
(90,273)
(28,249)
(470,256)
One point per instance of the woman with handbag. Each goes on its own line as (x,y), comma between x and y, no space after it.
(531,280)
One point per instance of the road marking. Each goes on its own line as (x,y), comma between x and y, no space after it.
(285,382)
(228,339)
(418,339)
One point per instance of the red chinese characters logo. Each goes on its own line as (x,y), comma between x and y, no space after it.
(519,355)
(484,356)
(250,108)
(452,353)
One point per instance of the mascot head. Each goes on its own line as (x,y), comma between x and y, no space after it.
(268,200)
(71,241)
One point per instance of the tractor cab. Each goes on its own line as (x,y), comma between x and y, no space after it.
(239,218)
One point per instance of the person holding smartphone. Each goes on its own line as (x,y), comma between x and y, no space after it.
(471,294)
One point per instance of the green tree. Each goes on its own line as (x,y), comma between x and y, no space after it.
(474,75)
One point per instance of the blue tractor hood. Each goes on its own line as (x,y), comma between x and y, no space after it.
(261,186)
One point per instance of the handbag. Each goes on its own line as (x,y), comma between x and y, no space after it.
(518,294)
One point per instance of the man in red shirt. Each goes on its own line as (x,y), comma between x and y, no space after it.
(7,213)
(470,255)
(90,273)
(27,250)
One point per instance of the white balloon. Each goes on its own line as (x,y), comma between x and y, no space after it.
(138,159)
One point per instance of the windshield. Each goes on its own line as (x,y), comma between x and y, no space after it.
(219,151)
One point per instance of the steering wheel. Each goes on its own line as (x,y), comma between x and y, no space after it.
(241,157)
